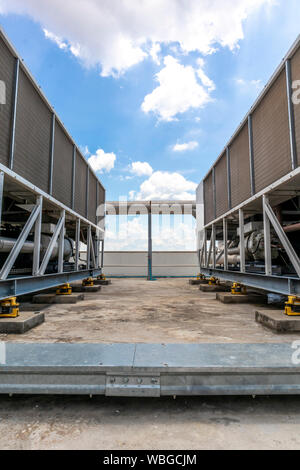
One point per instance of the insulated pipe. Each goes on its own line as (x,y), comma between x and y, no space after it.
(6,245)
(292,228)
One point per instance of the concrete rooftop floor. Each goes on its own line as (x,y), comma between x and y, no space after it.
(166,310)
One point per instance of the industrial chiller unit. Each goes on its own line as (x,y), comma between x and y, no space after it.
(50,199)
(248,205)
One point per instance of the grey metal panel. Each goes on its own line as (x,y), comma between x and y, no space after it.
(240,167)
(92,206)
(80,185)
(7,68)
(271,136)
(62,166)
(295,66)
(100,204)
(209,198)
(221,186)
(33,135)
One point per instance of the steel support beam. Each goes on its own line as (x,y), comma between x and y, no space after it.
(283,238)
(102,254)
(88,247)
(52,243)
(277,284)
(293,144)
(242,242)
(6,268)
(214,245)
(267,239)
(61,243)
(37,238)
(14,114)
(209,250)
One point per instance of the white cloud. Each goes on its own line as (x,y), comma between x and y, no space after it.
(246,85)
(184,147)
(116,34)
(102,161)
(85,150)
(133,235)
(56,39)
(141,169)
(178,91)
(163,185)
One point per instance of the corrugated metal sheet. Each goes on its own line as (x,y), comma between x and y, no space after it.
(62,166)
(209,199)
(33,135)
(221,186)
(271,139)
(295,63)
(7,67)
(92,206)
(240,168)
(80,185)
(100,202)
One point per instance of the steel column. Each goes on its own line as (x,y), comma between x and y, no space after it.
(242,242)
(267,239)
(214,245)
(251,154)
(61,243)
(291,114)
(102,254)
(77,244)
(1,194)
(205,247)
(51,245)
(88,247)
(52,155)
(225,238)
(14,114)
(37,238)
(150,243)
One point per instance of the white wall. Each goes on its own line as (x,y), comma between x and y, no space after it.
(165,263)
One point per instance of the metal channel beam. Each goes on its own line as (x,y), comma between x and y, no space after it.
(242,242)
(225,239)
(277,284)
(148,370)
(37,238)
(77,244)
(28,285)
(267,239)
(52,243)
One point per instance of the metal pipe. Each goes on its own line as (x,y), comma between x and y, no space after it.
(292,228)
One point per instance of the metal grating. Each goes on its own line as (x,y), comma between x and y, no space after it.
(295,63)
(209,199)
(33,135)
(7,72)
(240,168)
(62,166)
(92,206)
(80,185)
(221,186)
(271,139)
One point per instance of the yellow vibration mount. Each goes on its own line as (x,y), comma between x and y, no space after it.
(292,306)
(200,277)
(238,289)
(65,289)
(88,282)
(9,308)
(101,277)
(213,281)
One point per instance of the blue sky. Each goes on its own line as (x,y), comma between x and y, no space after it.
(93,61)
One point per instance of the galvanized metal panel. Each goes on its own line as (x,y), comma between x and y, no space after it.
(271,137)
(240,168)
(221,186)
(62,166)
(7,66)
(80,185)
(295,65)
(209,198)
(92,205)
(33,135)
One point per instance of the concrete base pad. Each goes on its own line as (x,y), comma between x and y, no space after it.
(107,282)
(277,320)
(227,298)
(24,322)
(86,289)
(208,288)
(57,299)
